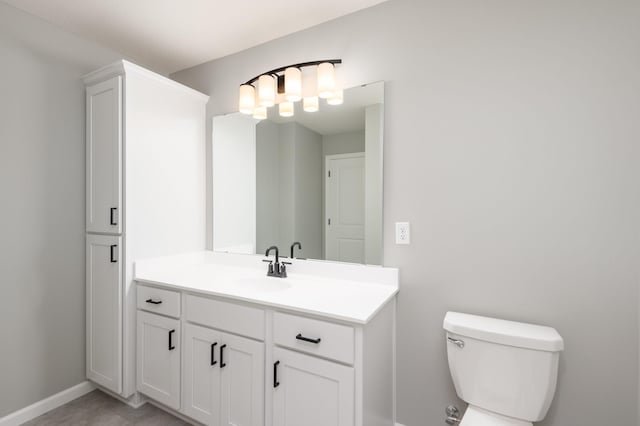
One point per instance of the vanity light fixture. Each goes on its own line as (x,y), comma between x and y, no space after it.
(284,86)
(260,113)
(336,98)
(285,109)
(311,104)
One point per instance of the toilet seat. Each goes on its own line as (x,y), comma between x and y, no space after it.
(475,416)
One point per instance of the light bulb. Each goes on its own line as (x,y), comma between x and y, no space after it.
(326,80)
(260,113)
(337,98)
(266,90)
(311,104)
(293,84)
(286,109)
(247,99)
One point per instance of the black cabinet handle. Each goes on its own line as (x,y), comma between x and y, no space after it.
(306,339)
(213,354)
(222,364)
(153,302)
(171,347)
(113,253)
(112,219)
(276,383)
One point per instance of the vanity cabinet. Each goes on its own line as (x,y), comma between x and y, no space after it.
(223,378)
(311,391)
(145,187)
(201,374)
(159,358)
(246,364)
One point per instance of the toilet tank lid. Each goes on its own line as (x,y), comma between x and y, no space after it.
(511,333)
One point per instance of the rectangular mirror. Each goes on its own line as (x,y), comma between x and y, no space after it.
(314,178)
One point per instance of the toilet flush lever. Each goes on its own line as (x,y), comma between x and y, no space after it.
(458,343)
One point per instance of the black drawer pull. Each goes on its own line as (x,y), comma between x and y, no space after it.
(276,383)
(213,354)
(222,364)
(306,339)
(112,220)
(153,302)
(171,347)
(113,253)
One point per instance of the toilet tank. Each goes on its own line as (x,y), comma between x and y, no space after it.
(506,367)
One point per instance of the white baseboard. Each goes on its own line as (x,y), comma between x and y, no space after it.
(39,408)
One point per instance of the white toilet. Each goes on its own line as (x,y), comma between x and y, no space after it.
(506,371)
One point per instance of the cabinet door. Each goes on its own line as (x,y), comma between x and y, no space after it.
(158,358)
(104,160)
(309,391)
(242,381)
(104,311)
(201,374)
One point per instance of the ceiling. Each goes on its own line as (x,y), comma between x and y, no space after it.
(171,35)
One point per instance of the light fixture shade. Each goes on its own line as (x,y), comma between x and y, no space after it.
(260,113)
(293,84)
(326,80)
(311,104)
(337,98)
(266,90)
(247,100)
(286,109)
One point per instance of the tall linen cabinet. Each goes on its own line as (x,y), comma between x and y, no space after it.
(145,198)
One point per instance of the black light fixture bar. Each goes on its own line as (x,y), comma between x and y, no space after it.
(300,65)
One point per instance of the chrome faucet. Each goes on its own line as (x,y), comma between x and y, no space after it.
(276,269)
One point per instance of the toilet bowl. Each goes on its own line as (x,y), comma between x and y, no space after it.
(506,371)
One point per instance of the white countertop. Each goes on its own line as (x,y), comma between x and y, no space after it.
(346,292)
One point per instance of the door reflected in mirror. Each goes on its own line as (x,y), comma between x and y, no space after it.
(313,179)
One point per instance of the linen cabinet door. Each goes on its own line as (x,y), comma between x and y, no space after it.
(104,156)
(104,311)
(309,391)
(158,358)
(201,380)
(242,379)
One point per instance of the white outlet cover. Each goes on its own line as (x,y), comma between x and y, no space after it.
(403,233)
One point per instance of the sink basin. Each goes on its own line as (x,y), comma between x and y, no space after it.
(262,284)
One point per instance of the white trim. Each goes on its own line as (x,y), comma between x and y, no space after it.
(39,408)
(399,424)
(123,67)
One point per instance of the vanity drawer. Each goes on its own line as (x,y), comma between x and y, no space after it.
(334,341)
(158,300)
(225,316)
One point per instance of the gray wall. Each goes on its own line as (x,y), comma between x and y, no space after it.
(42,169)
(289,185)
(268,191)
(511,145)
(308,186)
(343,143)
(373,219)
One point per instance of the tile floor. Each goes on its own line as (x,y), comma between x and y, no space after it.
(97,408)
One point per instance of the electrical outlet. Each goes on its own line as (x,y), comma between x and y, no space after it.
(403,233)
